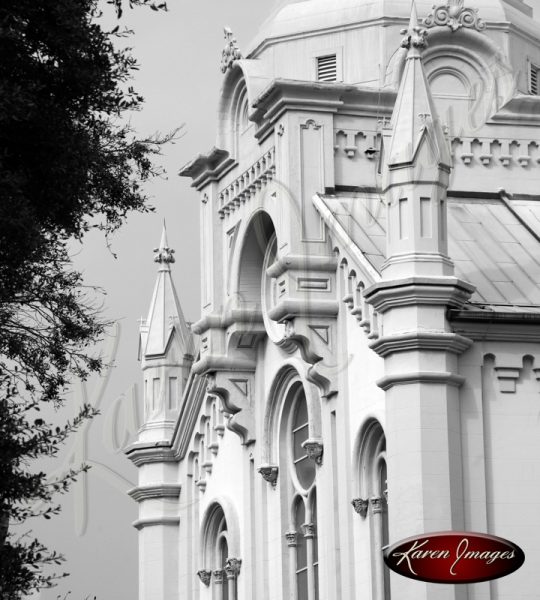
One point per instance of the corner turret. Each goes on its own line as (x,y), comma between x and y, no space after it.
(165,351)
(416,172)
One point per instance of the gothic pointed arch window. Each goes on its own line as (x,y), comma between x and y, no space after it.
(299,497)
(373,503)
(221,568)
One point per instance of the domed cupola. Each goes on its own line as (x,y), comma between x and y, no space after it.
(354,41)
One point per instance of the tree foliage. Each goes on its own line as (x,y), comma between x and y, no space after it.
(68,163)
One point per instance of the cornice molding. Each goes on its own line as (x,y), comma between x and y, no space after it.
(434,291)
(142,453)
(288,94)
(209,167)
(155,491)
(496,326)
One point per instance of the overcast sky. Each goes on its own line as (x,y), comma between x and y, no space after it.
(180,53)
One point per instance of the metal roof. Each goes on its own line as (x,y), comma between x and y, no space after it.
(495,245)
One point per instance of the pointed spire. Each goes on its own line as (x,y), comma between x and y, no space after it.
(415,117)
(165,314)
(164,255)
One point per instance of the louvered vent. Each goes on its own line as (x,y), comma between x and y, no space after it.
(533,79)
(327,68)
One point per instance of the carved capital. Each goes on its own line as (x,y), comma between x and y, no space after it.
(205,576)
(309,530)
(314,450)
(290,536)
(269,473)
(219,576)
(232,567)
(360,505)
(376,505)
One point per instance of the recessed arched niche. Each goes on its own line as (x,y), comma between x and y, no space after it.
(453,95)
(250,266)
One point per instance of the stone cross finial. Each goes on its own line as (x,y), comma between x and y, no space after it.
(231,52)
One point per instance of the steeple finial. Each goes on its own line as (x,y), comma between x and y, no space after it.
(164,255)
(415,116)
(415,36)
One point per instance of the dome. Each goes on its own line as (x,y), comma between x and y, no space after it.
(301,17)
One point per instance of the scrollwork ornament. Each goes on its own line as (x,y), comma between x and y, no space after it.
(453,14)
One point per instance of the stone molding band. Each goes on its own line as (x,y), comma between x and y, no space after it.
(156,521)
(441,378)
(153,492)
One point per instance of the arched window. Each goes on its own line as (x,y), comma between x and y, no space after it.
(220,569)
(373,503)
(300,496)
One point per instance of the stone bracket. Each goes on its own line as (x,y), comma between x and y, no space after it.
(235,390)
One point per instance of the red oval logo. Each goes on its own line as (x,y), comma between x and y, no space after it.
(454,557)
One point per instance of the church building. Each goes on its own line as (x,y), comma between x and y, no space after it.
(366,366)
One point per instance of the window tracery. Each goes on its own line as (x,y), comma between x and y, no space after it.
(300,496)
(223,568)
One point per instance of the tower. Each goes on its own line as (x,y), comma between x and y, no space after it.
(166,354)
(420,350)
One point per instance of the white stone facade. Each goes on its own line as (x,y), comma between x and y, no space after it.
(368,364)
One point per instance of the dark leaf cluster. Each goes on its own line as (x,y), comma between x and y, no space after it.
(68,163)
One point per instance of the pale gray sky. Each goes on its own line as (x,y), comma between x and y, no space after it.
(179,52)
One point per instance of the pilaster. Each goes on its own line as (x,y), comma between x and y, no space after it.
(419,348)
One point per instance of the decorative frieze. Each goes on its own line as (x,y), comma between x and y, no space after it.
(247,184)
(355,143)
(486,151)
(360,506)
(205,576)
(269,473)
(454,15)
